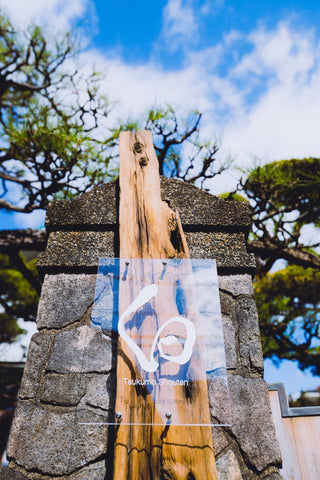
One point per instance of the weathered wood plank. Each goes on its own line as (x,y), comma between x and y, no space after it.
(299,439)
(290,463)
(146,222)
(150,229)
(306,432)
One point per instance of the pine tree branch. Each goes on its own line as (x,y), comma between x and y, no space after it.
(19,264)
(294,255)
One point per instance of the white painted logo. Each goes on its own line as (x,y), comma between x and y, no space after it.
(151,365)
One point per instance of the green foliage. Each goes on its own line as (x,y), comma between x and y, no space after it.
(233,196)
(288,186)
(288,302)
(284,199)
(10,378)
(18,299)
(51,121)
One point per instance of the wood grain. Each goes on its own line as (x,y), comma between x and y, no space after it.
(290,461)
(299,439)
(150,229)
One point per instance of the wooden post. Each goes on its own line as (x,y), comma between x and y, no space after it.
(150,229)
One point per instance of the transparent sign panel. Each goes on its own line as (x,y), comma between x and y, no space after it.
(165,316)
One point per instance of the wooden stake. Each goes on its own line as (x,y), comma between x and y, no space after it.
(150,229)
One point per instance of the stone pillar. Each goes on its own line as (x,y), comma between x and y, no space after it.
(70,371)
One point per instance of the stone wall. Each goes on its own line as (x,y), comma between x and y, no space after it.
(69,377)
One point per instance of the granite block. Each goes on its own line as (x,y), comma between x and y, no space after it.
(60,442)
(76,249)
(81,350)
(65,298)
(38,349)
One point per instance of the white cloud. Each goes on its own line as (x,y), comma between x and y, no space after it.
(180,23)
(284,53)
(56,13)
(283,121)
(210,6)
(138,87)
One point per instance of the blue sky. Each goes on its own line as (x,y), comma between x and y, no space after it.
(251,67)
(136,28)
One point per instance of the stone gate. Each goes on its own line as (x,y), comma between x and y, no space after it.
(70,369)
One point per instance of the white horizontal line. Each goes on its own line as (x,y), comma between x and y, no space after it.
(160,424)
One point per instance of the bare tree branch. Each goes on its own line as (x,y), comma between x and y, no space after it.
(265,249)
